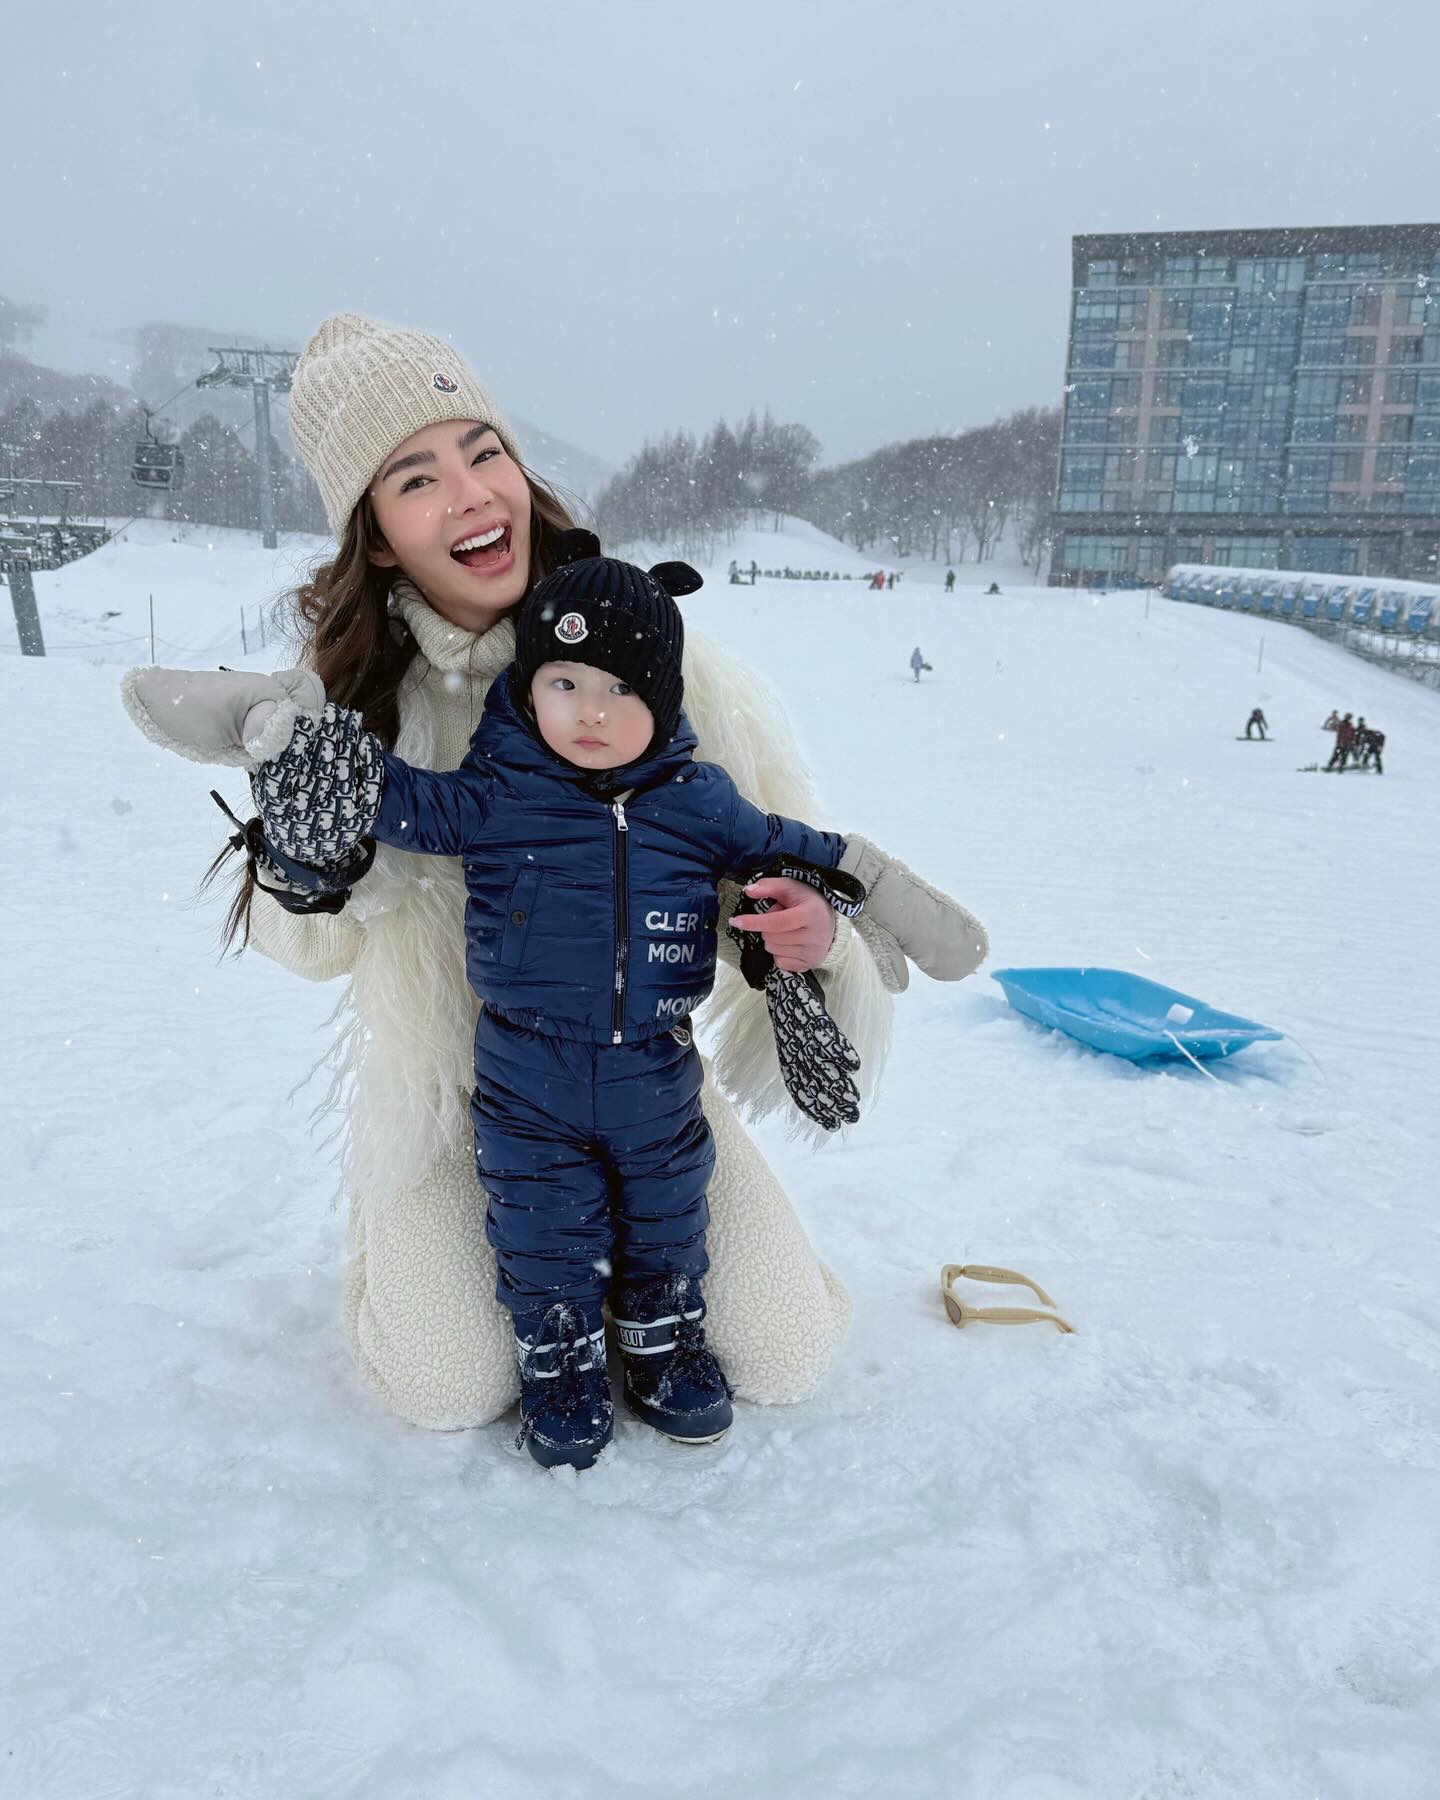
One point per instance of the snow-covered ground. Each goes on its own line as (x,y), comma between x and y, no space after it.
(1186,1554)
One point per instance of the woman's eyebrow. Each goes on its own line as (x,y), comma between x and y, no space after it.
(428,456)
(408,462)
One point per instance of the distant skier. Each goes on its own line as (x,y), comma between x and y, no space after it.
(949,581)
(918,662)
(877,580)
(1256,718)
(734,573)
(754,570)
(890,581)
(1374,750)
(1332,721)
(1344,744)
(994,588)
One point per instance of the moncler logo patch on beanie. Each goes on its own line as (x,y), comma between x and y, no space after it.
(613,616)
(361,388)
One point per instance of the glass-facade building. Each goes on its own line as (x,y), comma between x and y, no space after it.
(1268,399)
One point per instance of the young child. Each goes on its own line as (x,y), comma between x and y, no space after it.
(592,844)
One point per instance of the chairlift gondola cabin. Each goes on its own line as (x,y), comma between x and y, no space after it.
(158,466)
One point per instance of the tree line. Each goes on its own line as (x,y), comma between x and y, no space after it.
(935,497)
(95,446)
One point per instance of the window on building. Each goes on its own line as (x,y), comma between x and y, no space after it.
(1395,428)
(1405,349)
(1400,389)
(1212,271)
(1350,428)
(1172,352)
(1412,308)
(1364,307)
(1270,274)
(1326,311)
(1102,272)
(1359,347)
(1355,390)
(1318,393)
(1082,552)
(1175,312)
(1179,269)
(1390,464)
(1327,348)
(1346,465)
(1242,550)
(1326,555)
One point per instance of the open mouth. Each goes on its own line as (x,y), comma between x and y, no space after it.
(483,550)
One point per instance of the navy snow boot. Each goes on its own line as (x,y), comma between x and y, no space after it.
(672,1381)
(566,1413)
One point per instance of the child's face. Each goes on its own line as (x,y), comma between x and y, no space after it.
(590,717)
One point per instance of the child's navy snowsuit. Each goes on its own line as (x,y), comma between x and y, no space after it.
(591,926)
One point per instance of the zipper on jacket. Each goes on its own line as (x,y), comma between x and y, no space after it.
(622,920)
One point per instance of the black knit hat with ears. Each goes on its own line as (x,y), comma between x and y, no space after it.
(614,616)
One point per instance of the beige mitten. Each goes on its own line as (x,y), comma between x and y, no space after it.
(232,717)
(905,916)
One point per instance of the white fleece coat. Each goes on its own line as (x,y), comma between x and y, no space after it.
(427,1332)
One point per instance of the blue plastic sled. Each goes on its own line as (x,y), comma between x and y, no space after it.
(1126,1015)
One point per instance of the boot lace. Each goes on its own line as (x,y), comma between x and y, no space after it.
(571,1390)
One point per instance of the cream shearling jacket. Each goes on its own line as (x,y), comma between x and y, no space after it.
(427,1333)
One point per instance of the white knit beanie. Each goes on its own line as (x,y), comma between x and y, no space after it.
(361,388)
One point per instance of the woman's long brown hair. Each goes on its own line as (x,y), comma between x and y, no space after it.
(342,628)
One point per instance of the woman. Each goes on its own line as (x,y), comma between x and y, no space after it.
(441,532)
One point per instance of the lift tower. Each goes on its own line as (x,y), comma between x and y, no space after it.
(264,372)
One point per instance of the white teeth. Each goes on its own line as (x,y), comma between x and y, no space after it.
(479,543)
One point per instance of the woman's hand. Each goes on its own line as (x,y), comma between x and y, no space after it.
(799,931)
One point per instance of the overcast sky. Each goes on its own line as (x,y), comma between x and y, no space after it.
(636,214)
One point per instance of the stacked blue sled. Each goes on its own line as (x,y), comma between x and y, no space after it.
(1128,1015)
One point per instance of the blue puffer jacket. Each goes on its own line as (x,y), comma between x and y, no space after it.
(589,915)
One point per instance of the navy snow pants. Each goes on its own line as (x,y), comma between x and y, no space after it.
(596,1158)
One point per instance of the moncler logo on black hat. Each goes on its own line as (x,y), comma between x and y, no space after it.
(572,629)
(444,384)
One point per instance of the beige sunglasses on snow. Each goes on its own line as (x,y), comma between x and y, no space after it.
(960,1314)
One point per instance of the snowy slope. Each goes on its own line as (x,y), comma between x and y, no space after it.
(1182,1555)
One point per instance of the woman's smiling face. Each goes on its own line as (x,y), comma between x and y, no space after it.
(454,508)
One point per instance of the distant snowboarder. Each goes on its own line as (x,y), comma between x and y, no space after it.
(890,581)
(918,663)
(1374,750)
(994,588)
(1256,718)
(1344,744)
(949,581)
